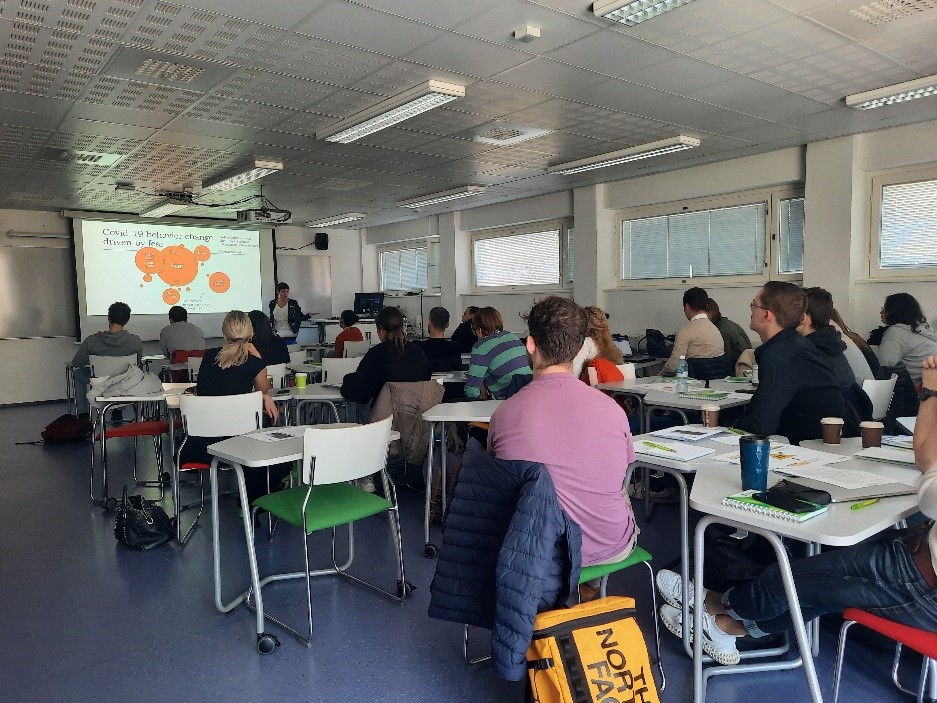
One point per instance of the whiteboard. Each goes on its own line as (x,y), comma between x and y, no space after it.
(37,292)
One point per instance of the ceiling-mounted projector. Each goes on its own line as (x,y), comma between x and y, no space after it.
(264,215)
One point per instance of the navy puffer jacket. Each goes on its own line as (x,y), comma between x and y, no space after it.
(509,551)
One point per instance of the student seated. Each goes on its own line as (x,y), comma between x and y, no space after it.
(393,359)
(796,386)
(443,354)
(234,369)
(890,575)
(859,354)
(734,338)
(598,349)
(272,349)
(700,338)
(577,432)
(464,335)
(180,334)
(347,321)
(116,341)
(908,340)
(499,365)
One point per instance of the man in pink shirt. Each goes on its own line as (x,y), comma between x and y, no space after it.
(580,434)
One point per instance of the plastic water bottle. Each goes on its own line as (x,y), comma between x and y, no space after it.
(683,376)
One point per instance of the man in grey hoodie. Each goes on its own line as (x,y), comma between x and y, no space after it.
(116,341)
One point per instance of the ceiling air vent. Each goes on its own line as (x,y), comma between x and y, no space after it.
(93,158)
(148,66)
(879,13)
(506,134)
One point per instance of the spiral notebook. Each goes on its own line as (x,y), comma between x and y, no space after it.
(745,501)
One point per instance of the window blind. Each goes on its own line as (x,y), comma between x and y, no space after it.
(531,259)
(908,236)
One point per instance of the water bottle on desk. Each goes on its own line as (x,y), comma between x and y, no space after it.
(683,376)
(754,374)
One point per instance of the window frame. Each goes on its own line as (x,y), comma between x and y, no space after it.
(770,197)
(877,184)
(563,240)
(430,244)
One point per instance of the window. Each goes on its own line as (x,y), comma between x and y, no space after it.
(904,224)
(410,269)
(726,237)
(529,257)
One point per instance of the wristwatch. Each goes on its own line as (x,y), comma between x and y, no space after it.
(926,393)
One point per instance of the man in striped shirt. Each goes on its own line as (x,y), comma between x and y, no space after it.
(499,366)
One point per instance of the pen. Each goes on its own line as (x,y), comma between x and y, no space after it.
(655,445)
(863,503)
(735,431)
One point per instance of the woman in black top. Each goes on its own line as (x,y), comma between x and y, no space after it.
(272,349)
(394,359)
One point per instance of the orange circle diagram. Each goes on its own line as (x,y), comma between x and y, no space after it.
(149,260)
(202,253)
(219,282)
(171,296)
(179,266)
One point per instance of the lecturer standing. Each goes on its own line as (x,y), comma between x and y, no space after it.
(286,315)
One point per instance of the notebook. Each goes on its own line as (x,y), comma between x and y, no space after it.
(745,501)
(678,451)
(703,394)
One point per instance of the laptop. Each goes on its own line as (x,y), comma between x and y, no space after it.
(850,495)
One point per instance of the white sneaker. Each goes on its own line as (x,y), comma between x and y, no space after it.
(720,645)
(670,586)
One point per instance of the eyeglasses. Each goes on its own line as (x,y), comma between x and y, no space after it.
(754,305)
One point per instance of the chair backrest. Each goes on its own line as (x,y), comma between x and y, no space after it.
(194,363)
(181,356)
(298,357)
(353,349)
(593,376)
(745,362)
(627,370)
(221,415)
(880,393)
(335,370)
(276,372)
(344,453)
(710,369)
(102,366)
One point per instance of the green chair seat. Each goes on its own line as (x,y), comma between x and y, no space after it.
(637,556)
(329,505)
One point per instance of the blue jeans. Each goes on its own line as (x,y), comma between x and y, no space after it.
(877,575)
(81,377)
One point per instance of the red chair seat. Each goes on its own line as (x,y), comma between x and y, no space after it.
(194,466)
(147,428)
(920,641)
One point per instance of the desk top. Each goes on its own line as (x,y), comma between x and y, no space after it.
(312,391)
(247,451)
(666,398)
(468,411)
(907,423)
(840,526)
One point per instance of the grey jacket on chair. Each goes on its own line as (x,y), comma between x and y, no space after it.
(407,402)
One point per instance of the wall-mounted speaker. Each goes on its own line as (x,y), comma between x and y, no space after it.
(322,240)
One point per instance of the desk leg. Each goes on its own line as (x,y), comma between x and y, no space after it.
(429,549)
(216,544)
(800,631)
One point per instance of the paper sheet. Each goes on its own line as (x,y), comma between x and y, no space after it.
(788,456)
(277,434)
(902,441)
(688,433)
(888,454)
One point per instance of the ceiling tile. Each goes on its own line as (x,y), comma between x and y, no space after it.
(556,29)
(612,52)
(425,12)
(550,76)
(472,57)
(619,95)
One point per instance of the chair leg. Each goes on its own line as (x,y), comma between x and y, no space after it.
(308,578)
(660,661)
(925,668)
(465,655)
(840,651)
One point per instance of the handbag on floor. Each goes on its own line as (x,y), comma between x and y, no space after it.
(142,524)
(590,653)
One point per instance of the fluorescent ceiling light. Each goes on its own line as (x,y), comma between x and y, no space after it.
(442,196)
(256,169)
(385,114)
(164,207)
(643,151)
(890,94)
(337,220)
(632,12)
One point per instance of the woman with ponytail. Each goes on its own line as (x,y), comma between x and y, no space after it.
(394,359)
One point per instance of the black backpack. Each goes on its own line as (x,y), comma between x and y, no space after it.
(67,428)
(658,345)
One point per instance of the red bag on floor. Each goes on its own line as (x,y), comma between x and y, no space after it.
(67,428)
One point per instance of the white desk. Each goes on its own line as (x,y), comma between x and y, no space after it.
(315,393)
(907,424)
(468,411)
(839,526)
(236,453)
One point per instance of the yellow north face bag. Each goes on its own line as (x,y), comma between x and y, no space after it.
(591,653)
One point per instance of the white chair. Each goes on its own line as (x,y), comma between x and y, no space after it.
(332,460)
(627,370)
(335,370)
(880,393)
(353,349)
(102,366)
(194,363)
(211,416)
(276,373)
(297,357)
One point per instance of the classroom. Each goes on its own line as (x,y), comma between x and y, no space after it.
(741,156)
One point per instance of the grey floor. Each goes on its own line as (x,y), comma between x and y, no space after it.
(88,620)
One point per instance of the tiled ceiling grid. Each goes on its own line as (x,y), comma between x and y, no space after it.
(742,75)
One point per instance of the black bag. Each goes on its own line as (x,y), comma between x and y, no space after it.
(141,524)
(67,428)
(731,561)
(658,345)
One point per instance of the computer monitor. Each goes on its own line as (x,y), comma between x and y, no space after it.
(368,304)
